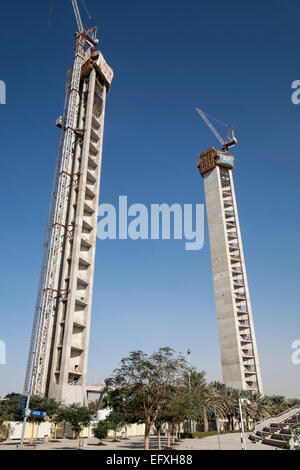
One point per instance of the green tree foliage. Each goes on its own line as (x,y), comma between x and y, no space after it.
(78,416)
(100,431)
(161,389)
(10,407)
(144,384)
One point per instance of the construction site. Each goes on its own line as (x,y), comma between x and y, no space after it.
(57,363)
(58,356)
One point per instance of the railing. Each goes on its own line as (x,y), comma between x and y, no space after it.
(247,353)
(243,308)
(75,370)
(277,419)
(236,269)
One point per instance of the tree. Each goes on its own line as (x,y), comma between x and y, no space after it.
(10,409)
(79,417)
(118,418)
(100,431)
(42,403)
(174,412)
(294,442)
(56,418)
(143,384)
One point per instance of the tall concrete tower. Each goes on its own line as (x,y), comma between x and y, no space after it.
(62,339)
(240,364)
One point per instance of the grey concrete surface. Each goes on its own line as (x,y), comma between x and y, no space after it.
(228,442)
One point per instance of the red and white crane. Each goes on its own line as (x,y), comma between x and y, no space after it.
(230,140)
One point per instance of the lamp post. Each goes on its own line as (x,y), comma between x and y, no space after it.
(243,439)
(189,372)
(217,424)
(189,363)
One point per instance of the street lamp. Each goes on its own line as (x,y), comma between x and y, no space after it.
(189,363)
(243,439)
(189,371)
(217,425)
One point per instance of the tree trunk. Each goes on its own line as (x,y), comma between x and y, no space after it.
(230,422)
(158,439)
(173,434)
(205,421)
(32,433)
(147,434)
(125,431)
(158,428)
(169,435)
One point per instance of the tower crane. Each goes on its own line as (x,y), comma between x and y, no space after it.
(51,254)
(77,16)
(230,140)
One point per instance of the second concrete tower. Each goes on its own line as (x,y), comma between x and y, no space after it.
(239,356)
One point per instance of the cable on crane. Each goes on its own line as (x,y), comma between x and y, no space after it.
(217,120)
(87,11)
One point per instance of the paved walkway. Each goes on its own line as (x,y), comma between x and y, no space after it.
(227,441)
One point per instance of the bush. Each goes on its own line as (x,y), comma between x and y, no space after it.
(197,435)
(100,430)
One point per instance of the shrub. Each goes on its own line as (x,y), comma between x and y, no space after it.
(197,435)
(100,430)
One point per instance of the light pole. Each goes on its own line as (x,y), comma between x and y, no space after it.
(20,447)
(189,363)
(243,439)
(217,424)
(189,369)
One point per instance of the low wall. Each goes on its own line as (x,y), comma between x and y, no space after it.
(13,430)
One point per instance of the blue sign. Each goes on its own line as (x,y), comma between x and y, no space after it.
(36,413)
(226,159)
(22,404)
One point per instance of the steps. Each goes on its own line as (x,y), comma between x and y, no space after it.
(278,432)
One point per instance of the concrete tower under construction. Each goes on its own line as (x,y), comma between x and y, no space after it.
(60,338)
(239,356)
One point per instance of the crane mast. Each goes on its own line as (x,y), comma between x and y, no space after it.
(50,289)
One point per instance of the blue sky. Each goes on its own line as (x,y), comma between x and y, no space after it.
(235,60)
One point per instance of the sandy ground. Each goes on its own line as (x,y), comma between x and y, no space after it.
(227,441)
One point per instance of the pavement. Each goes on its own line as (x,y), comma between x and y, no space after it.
(227,442)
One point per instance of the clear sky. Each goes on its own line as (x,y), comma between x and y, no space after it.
(236,60)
